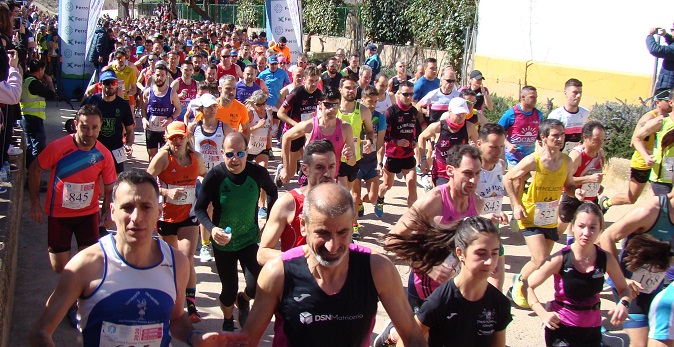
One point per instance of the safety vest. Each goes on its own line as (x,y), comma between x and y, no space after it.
(31,104)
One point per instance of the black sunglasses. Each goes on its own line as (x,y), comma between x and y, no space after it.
(408,94)
(260,105)
(239,154)
(449,80)
(330,104)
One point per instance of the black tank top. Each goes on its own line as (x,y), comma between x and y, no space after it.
(352,73)
(307,316)
(396,83)
(580,286)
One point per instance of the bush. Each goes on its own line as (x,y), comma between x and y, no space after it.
(620,119)
(385,21)
(249,13)
(321,17)
(501,104)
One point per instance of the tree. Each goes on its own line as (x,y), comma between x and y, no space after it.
(193,5)
(123,9)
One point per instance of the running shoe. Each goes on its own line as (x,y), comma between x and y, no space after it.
(384,338)
(262,213)
(361,210)
(72,316)
(517,294)
(277,178)
(602,204)
(356,232)
(426,183)
(244,308)
(205,254)
(228,324)
(379,209)
(418,170)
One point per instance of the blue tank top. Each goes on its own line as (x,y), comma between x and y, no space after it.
(160,106)
(243,92)
(307,316)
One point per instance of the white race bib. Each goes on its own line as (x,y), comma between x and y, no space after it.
(545,213)
(155,123)
(668,168)
(492,205)
(649,280)
(305,116)
(119,154)
(77,196)
(258,142)
(591,189)
(119,335)
(184,199)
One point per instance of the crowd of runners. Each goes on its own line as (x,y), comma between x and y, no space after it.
(216,103)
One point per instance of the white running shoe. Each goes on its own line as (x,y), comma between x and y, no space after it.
(205,254)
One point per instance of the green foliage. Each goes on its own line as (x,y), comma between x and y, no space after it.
(249,13)
(385,21)
(320,16)
(501,104)
(620,119)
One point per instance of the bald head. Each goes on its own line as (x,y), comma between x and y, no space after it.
(235,139)
(328,199)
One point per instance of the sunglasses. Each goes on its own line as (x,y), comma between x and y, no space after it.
(226,56)
(408,94)
(177,137)
(330,104)
(448,80)
(110,83)
(260,105)
(470,102)
(239,154)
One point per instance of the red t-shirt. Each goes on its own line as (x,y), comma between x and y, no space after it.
(74,176)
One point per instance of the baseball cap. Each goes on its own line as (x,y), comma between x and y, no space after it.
(476,74)
(458,106)
(207,100)
(281,59)
(107,75)
(371,47)
(140,50)
(273,60)
(188,43)
(661,94)
(176,128)
(282,39)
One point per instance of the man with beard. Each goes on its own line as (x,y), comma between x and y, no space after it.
(225,67)
(185,86)
(230,110)
(117,118)
(294,285)
(319,165)
(331,77)
(571,115)
(247,86)
(163,106)
(126,75)
(521,124)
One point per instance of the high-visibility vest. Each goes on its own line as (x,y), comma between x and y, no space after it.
(32,104)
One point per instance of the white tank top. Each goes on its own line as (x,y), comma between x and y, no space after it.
(209,144)
(491,189)
(384,104)
(258,137)
(131,306)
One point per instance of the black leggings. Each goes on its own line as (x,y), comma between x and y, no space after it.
(225,262)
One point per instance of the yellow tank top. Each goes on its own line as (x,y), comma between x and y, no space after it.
(541,200)
(638,161)
(663,153)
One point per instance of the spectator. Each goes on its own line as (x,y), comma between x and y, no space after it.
(666,53)
(372,60)
(98,54)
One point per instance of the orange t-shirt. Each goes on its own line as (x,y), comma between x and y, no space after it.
(177,176)
(235,114)
(73,183)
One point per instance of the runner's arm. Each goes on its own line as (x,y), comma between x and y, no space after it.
(267,298)
(347,131)
(298,130)
(130,134)
(426,136)
(200,164)
(276,223)
(525,166)
(637,220)
(472,133)
(551,265)
(283,115)
(366,116)
(626,291)
(175,100)
(282,96)
(569,184)
(428,205)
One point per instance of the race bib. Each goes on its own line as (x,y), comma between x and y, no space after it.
(545,213)
(258,142)
(492,205)
(77,196)
(118,335)
(668,168)
(119,154)
(155,123)
(305,116)
(184,199)
(649,280)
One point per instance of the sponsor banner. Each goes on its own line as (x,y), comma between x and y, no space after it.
(284,18)
(74,19)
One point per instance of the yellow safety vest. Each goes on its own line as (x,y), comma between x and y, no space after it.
(32,104)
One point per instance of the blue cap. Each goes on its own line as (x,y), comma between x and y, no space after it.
(188,43)
(140,50)
(371,47)
(273,59)
(107,75)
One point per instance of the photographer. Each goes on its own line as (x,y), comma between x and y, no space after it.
(666,53)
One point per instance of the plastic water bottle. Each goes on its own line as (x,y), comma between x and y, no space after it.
(228,233)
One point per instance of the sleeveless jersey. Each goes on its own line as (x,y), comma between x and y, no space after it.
(589,166)
(663,153)
(396,82)
(130,306)
(490,188)
(177,176)
(383,105)
(352,73)
(336,138)
(573,287)
(243,92)
(356,122)
(400,125)
(445,141)
(301,105)
(291,236)
(541,200)
(638,161)
(307,316)
(209,144)
(523,133)
(158,109)
(258,137)
(191,92)
(231,71)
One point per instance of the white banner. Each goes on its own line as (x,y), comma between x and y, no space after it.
(94,14)
(73,21)
(284,18)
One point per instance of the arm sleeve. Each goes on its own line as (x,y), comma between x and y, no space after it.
(10,90)
(658,50)
(37,88)
(431,311)
(206,195)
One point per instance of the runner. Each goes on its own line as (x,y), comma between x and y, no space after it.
(363,80)
(429,81)
(465,310)
(260,118)
(133,263)
(385,99)
(117,129)
(185,86)
(230,110)
(448,133)
(331,77)
(353,68)
(663,158)
(126,75)
(275,79)
(294,286)
(76,163)
(652,216)
(247,85)
(474,116)
(476,84)
(573,318)
(319,165)
(225,67)
(642,159)
(536,210)
(233,188)
(401,75)
(571,115)
(177,166)
(163,106)
(400,142)
(436,101)
(522,122)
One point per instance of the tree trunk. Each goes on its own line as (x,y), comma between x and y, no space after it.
(123,9)
(200,11)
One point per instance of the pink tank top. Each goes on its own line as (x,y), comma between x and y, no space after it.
(336,138)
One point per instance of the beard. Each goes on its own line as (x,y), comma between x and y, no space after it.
(326,262)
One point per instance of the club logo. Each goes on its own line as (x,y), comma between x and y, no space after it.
(306,318)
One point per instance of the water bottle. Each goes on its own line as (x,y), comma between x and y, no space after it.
(228,233)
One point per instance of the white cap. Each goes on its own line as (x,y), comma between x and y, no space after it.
(458,105)
(207,100)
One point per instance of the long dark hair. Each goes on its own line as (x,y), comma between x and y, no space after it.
(430,244)
(645,250)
